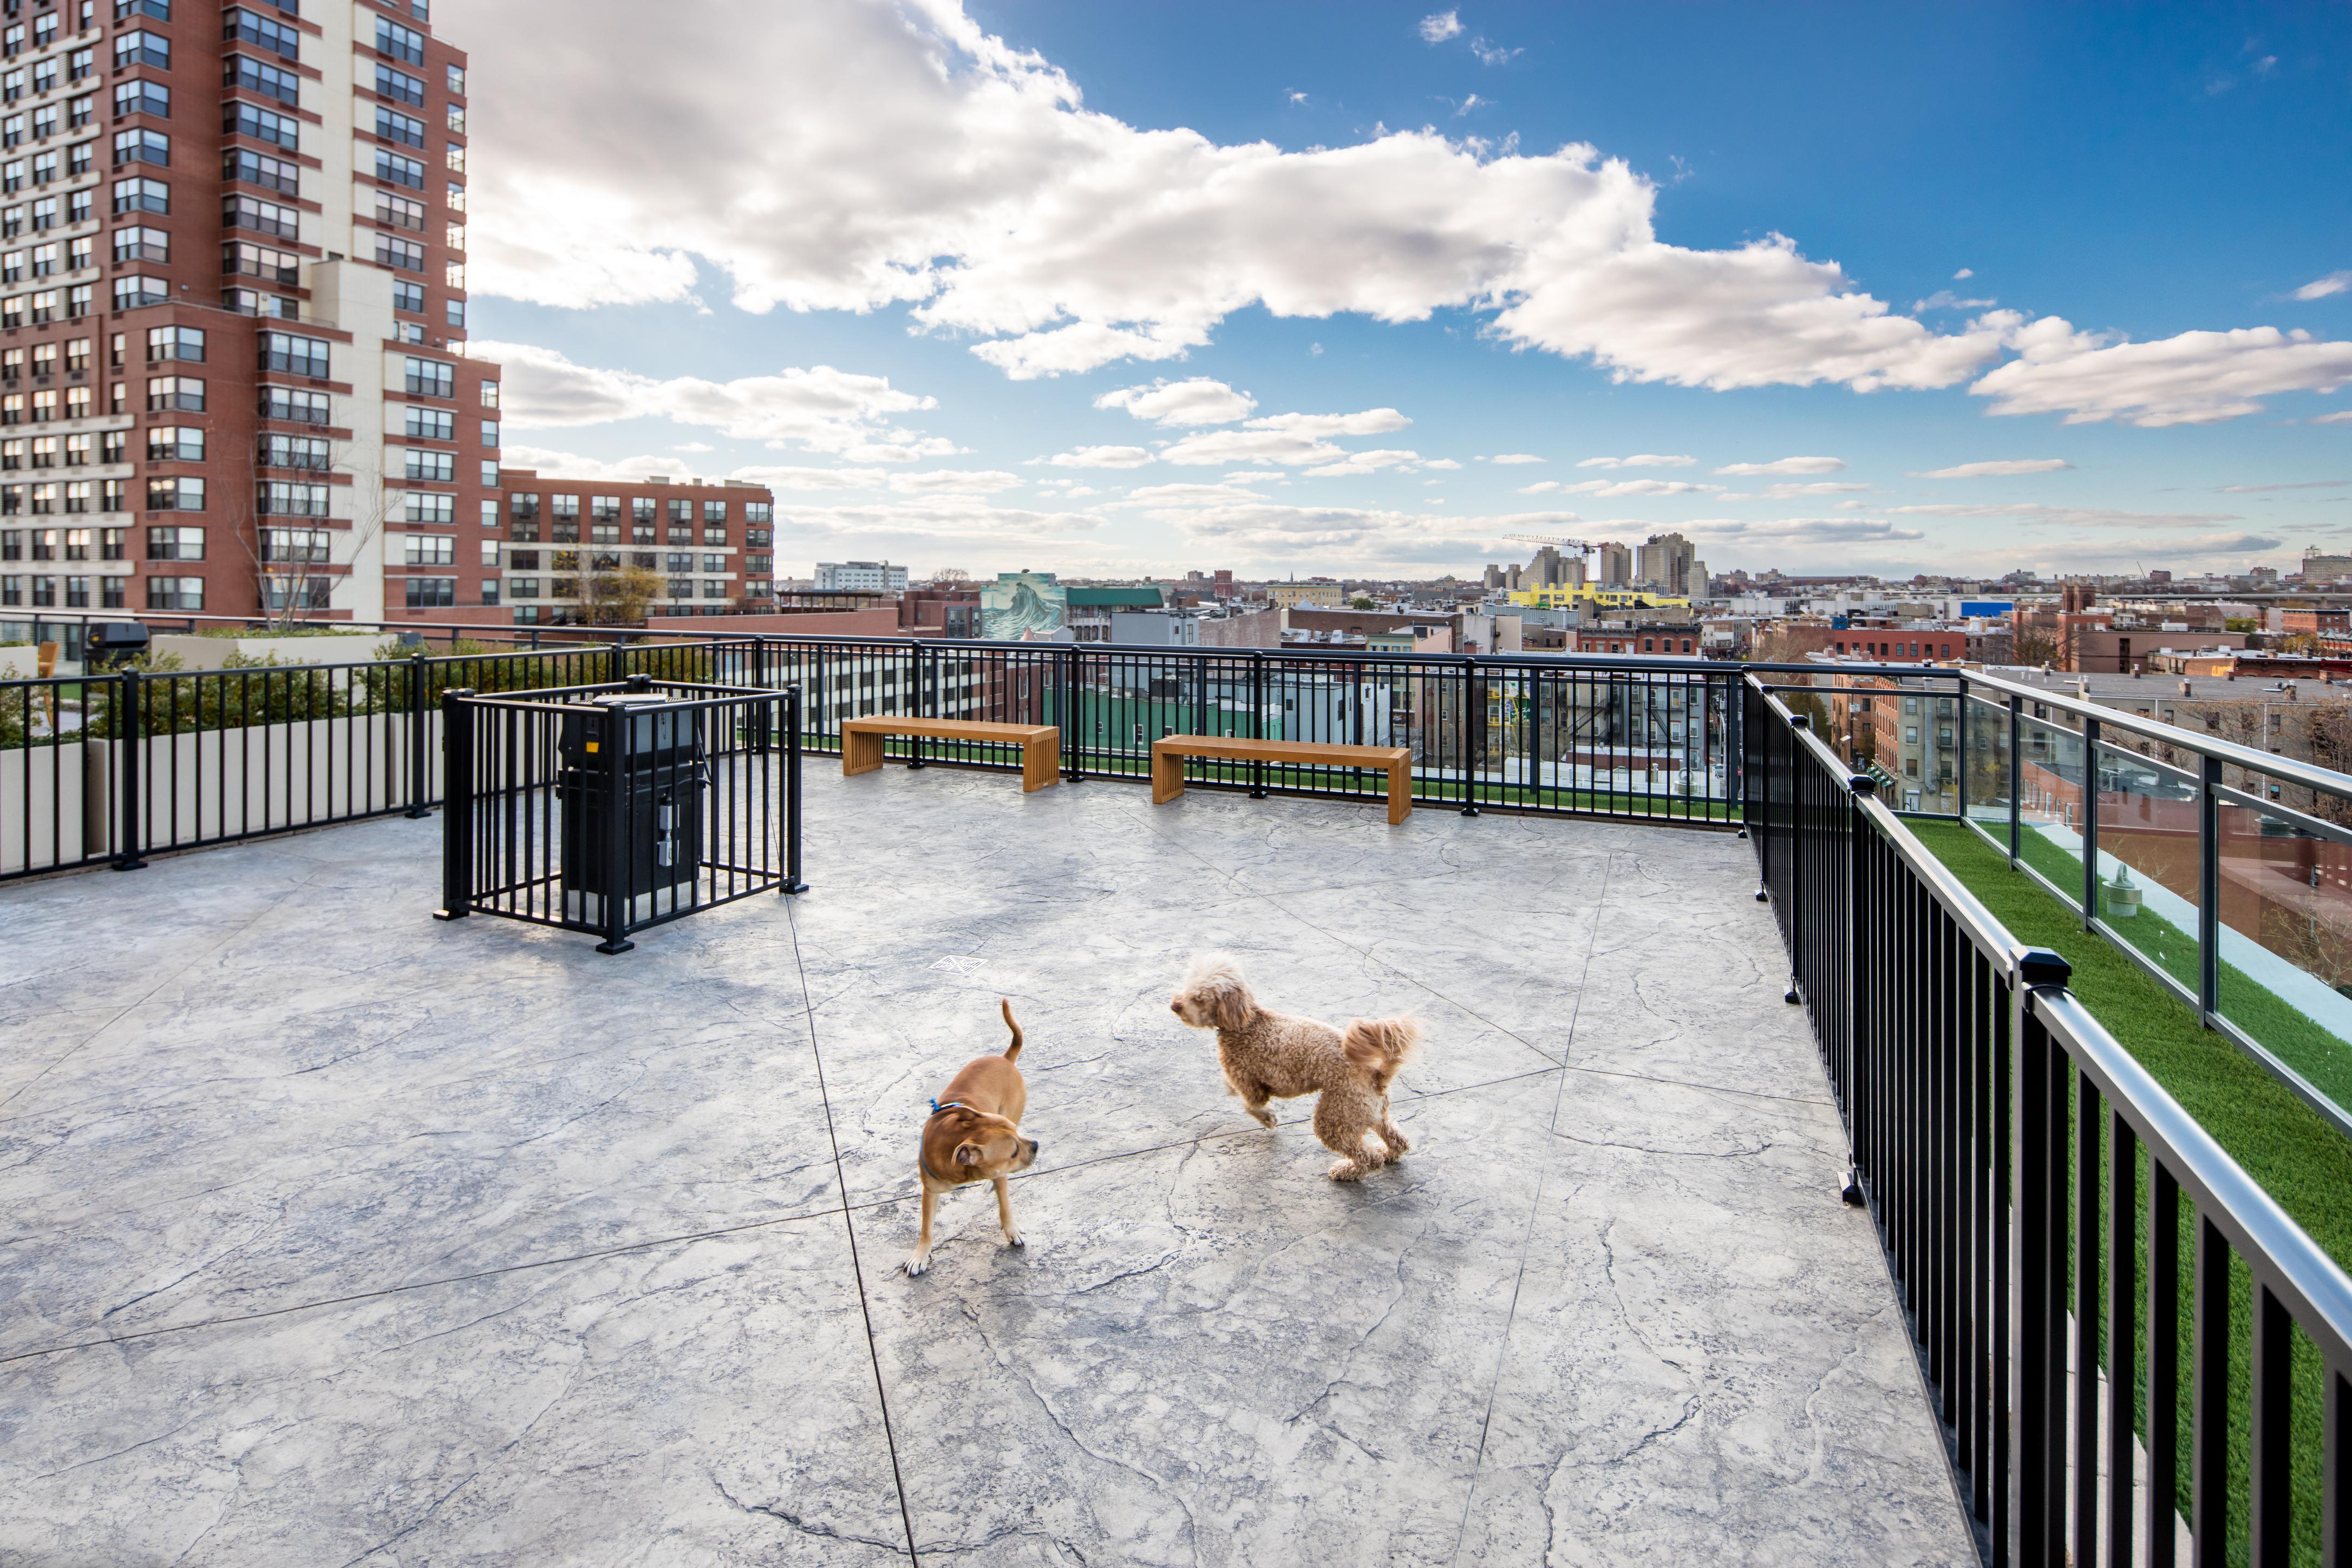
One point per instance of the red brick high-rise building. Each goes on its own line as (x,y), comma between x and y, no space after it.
(233,317)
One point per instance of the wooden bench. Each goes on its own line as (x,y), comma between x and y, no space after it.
(1041,744)
(1168,755)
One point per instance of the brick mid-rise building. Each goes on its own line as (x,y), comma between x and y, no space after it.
(712,545)
(233,305)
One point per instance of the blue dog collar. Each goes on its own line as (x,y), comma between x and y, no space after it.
(950,1105)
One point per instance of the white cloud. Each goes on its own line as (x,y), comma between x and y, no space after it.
(1197,401)
(837,155)
(1945,299)
(1509,457)
(1790,492)
(2341,417)
(2068,516)
(1101,457)
(1371,422)
(954,481)
(1786,466)
(1191,495)
(1639,461)
(1253,446)
(694,446)
(2334,283)
(2191,378)
(1997,469)
(1619,487)
(562,465)
(792,479)
(819,409)
(1441,463)
(2305,485)
(1493,54)
(1364,463)
(1801,531)
(1441,26)
(1964,274)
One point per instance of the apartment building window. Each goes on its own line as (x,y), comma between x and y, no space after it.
(431,378)
(76,543)
(759,538)
(391,166)
(455,159)
(247,167)
(679,563)
(300,408)
(399,86)
(173,495)
(454,114)
(128,10)
(130,293)
(294,355)
(281,498)
(12,175)
(522,588)
(300,546)
(261,217)
(489,433)
(429,507)
(81,111)
(430,424)
(78,450)
(432,593)
(409,255)
(142,97)
(394,126)
(45,121)
(254,302)
(253,76)
(758,565)
(399,212)
(453,273)
(401,43)
(178,393)
(142,196)
(141,147)
(176,444)
(246,260)
(714,563)
(434,467)
(141,47)
(177,344)
(431,550)
(714,590)
(246,27)
(758,512)
(306,452)
(714,533)
(490,554)
(45,405)
(565,509)
(43,500)
(176,593)
(262,125)
(175,544)
(111,546)
(408,296)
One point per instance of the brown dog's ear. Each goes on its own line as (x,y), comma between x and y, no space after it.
(1230,1004)
(967,1154)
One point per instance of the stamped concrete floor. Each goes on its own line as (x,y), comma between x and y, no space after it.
(332,1234)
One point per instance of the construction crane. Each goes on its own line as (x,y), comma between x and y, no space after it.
(1551,540)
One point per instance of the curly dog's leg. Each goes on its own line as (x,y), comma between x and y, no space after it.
(1393,1135)
(1345,1124)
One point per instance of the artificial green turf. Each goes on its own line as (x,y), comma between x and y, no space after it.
(2282,1144)
(2286,1030)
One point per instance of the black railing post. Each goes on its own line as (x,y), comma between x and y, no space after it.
(130,751)
(1257,723)
(792,883)
(760,661)
(2209,891)
(2037,1273)
(620,877)
(1961,750)
(2016,773)
(1074,761)
(1861,935)
(417,727)
(616,660)
(2090,825)
(457,805)
(1474,735)
(1793,917)
(910,698)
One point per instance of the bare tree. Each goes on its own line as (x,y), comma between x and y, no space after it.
(294,573)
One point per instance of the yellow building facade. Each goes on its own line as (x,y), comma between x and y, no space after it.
(1592,595)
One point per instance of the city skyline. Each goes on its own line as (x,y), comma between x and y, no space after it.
(1292,291)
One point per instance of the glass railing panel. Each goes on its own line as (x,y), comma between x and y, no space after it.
(2050,806)
(1987,763)
(2286,940)
(2148,866)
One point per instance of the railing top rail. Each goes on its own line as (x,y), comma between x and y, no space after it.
(2286,770)
(706,694)
(2281,1254)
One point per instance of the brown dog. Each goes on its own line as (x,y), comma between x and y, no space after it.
(974,1135)
(1268,1056)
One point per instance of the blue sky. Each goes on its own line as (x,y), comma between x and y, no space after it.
(910,262)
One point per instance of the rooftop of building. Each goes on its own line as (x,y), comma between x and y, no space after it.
(2155,686)
(332,1227)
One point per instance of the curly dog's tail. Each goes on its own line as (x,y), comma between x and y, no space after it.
(1012,1051)
(1379,1046)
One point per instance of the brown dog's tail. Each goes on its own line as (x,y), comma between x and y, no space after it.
(1012,1051)
(1379,1046)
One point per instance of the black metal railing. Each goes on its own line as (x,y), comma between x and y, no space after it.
(565,812)
(2036,1192)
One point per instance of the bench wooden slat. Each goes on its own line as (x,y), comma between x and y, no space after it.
(1168,755)
(1041,744)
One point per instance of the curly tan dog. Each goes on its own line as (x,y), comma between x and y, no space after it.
(1272,1055)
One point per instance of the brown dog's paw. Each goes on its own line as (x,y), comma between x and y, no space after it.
(917,1265)
(1349,1171)
(1262,1116)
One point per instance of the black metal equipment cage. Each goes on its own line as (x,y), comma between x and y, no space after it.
(614,807)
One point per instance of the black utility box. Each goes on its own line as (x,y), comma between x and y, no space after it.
(661,780)
(106,644)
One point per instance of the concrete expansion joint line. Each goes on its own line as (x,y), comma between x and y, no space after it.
(849,1228)
(1535,1210)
